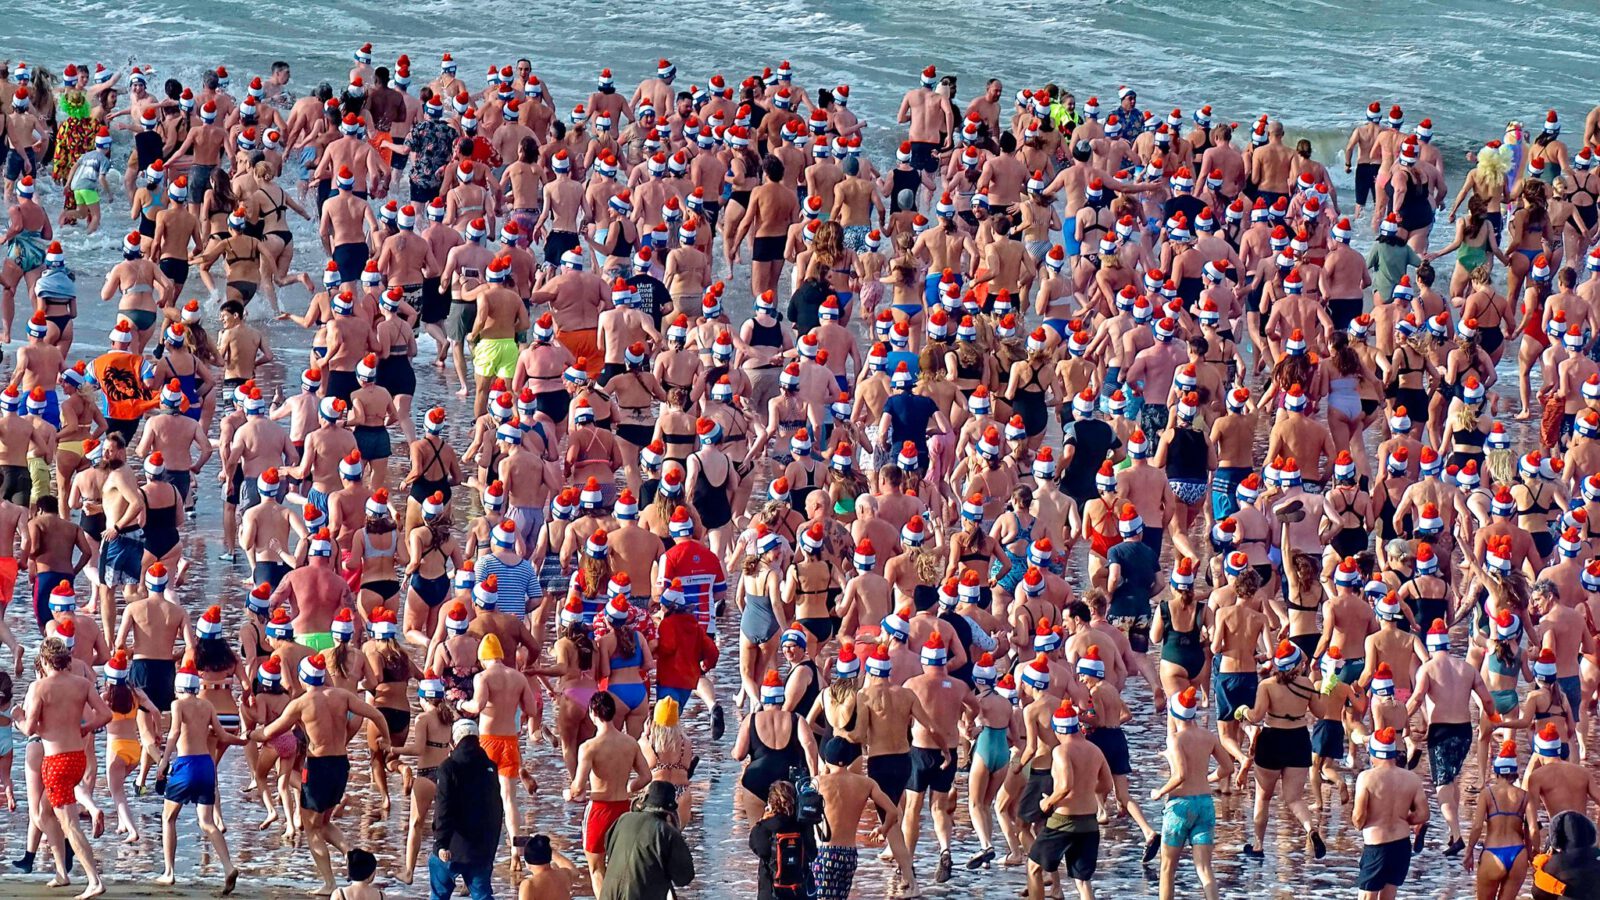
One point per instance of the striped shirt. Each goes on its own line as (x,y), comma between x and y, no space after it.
(516,584)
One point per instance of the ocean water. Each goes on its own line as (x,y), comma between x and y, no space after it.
(1470,66)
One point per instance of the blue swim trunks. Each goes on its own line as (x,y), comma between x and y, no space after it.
(1189,820)
(193,779)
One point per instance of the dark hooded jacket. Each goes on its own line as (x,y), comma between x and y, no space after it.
(466,810)
(645,853)
(1573,861)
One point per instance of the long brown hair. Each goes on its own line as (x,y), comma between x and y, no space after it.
(1345,359)
(1535,201)
(339,658)
(827,250)
(583,643)
(664,503)
(392,661)
(782,799)
(627,641)
(596,573)
(1291,370)
(1477,210)
(904,266)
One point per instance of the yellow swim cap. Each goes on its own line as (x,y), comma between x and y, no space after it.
(667,712)
(489,649)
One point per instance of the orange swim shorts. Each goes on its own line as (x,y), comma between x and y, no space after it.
(505,751)
(584,344)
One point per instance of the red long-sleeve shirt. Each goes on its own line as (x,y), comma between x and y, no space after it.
(684,651)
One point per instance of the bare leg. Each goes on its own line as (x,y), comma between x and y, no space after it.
(459,359)
(262,768)
(1266,781)
(435,331)
(508,800)
(116,781)
(980,803)
(408,428)
(312,824)
(1450,807)
(911,824)
(417,615)
(289,798)
(1126,801)
(1009,797)
(597,870)
(1202,868)
(1527,355)
(380,775)
(230,530)
(67,816)
(421,815)
(749,658)
(209,826)
(1169,869)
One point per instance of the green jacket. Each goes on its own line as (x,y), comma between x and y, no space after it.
(645,857)
(1064,119)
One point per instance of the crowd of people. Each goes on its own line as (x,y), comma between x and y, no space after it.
(1057,420)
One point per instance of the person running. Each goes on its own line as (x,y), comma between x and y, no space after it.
(60,706)
(1500,826)
(322,711)
(1392,813)
(190,775)
(611,768)
(1190,818)
(1282,749)
(1444,691)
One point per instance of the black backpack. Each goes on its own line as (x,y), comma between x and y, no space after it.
(789,865)
(809,806)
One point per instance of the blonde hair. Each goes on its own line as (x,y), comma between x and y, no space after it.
(1493,165)
(1500,465)
(664,733)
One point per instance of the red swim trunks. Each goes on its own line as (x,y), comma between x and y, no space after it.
(598,820)
(8,579)
(61,773)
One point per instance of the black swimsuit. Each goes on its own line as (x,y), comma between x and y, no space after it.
(278,210)
(1029,403)
(423,488)
(711,500)
(1350,539)
(1471,438)
(160,529)
(1415,400)
(769,765)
